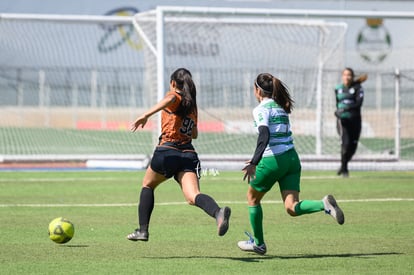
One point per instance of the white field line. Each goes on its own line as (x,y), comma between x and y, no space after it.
(97,179)
(184,203)
(60,179)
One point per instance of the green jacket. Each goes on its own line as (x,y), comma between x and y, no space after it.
(349,101)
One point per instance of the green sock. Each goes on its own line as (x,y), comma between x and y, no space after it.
(307,207)
(256,221)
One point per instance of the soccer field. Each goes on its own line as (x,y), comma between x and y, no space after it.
(377,237)
(68,141)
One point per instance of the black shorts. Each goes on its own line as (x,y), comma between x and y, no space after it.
(169,161)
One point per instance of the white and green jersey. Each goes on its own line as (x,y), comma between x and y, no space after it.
(270,114)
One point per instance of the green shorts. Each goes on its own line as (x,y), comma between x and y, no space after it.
(284,168)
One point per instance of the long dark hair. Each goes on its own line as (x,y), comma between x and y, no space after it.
(273,87)
(185,84)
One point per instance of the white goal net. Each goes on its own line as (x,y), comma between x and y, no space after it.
(72,85)
(225,50)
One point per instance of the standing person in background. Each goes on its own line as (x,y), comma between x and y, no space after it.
(349,98)
(275,160)
(175,156)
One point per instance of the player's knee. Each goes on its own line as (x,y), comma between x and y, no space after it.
(190,199)
(147,183)
(252,200)
(148,186)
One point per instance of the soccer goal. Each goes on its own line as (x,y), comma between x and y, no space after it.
(225,49)
(72,85)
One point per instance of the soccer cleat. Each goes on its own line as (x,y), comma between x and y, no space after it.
(222,220)
(343,172)
(260,249)
(332,208)
(137,235)
(250,245)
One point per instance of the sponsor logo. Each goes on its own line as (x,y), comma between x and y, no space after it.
(374,41)
(119,34)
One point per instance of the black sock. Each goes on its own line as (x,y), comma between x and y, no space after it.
(208,204)
(145,207)
(344,161)
(344,165)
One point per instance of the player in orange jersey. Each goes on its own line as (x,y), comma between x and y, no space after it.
(175,155)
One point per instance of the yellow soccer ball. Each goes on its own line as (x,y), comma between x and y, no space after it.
(61,230)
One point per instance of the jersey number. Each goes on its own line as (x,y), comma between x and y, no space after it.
(187,126)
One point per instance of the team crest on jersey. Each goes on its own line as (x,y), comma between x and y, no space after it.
(352,91)
(340,91)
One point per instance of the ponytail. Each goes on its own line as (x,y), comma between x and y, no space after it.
(271,86)
(281,95)
(185,84)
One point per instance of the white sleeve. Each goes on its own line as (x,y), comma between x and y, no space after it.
(261,117)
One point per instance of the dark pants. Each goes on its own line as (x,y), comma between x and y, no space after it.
(350,130)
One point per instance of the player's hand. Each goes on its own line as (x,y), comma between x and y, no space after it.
(339,112)
(140,121)
(249,172)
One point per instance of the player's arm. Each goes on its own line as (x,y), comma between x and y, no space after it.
(336,96)
(164,103)
(262,141)
(261,118)
(341,108)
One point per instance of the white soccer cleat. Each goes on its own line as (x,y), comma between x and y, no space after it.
(332,208)
(249,245)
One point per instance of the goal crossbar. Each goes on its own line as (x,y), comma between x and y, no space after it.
(291,12)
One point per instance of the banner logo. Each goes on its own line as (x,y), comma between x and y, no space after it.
(118,34)
(374,41)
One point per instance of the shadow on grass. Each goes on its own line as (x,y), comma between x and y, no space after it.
(257,258)
(75,245)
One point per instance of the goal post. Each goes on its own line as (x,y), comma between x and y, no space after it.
(225,36)
(72,84)
(82,79)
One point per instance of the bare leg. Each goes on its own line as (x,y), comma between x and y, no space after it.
(189,185)
(290,199)
(191,190)
(294,207)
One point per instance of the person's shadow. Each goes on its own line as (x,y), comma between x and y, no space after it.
(257,258)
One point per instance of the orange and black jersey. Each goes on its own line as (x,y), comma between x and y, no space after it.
(174,128)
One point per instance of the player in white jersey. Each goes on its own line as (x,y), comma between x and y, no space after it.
(275,160)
